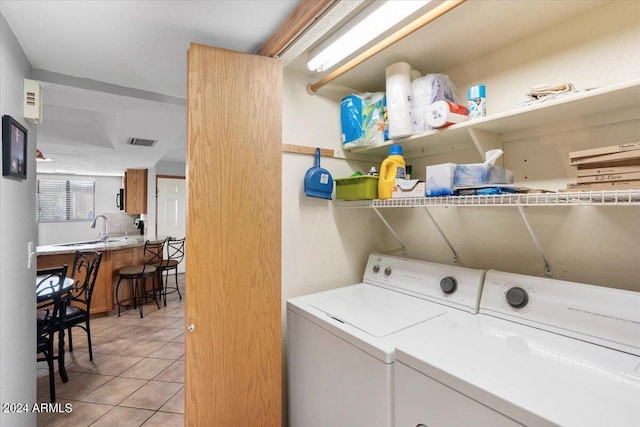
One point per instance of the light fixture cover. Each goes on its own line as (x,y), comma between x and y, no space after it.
(373,21)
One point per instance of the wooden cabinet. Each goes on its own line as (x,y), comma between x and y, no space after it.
(103,299)
(135,191)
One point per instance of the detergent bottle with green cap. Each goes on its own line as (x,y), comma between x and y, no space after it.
(392,168)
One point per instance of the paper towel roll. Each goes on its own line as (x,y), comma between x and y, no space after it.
(445,113)
(398,81)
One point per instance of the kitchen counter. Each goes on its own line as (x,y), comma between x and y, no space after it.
(116,244)
(118,253)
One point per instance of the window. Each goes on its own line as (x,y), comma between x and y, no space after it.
(61,201)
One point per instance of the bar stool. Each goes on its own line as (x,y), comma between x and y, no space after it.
(175,255)
(137,276)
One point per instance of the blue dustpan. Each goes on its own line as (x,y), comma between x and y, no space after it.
(318,181)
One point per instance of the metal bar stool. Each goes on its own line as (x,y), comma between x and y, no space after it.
(85,272)
(137,276)
(175,255)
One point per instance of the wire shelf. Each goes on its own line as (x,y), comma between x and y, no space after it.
(579,198)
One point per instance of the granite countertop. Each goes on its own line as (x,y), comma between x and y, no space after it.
(116,243)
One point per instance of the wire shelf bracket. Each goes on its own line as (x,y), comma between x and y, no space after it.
(547,266)
(455,254)
(484,141)
(404,247)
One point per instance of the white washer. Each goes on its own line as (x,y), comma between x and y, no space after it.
(341,343)
(541,352)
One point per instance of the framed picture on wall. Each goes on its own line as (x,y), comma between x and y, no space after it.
(14,148)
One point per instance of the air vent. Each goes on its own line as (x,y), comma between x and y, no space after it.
(142,142)
(32,101)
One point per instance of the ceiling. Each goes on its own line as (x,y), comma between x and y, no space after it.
(113,70)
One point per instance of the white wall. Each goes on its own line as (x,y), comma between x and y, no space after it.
(596,245)
(316,235)
(17,228)
(106,189)
(171,168)
(322,247)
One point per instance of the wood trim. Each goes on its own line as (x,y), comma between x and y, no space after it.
(170,176)
(303,149)
(423,20)
(298,21)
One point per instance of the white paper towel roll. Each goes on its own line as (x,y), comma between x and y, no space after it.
(398,80)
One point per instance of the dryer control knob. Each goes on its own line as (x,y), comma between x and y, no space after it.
(387,271)
(517,297)
(376,268)
(448,285)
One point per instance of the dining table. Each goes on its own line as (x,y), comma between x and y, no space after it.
(52,293)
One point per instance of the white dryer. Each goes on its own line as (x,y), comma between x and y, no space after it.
(541,352)
(341,343)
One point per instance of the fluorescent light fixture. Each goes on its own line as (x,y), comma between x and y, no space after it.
(368,25)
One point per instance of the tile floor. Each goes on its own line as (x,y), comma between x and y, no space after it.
(137,374)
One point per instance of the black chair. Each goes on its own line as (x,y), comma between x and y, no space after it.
(175,255)
(51,301)
(85,272)
(137,276)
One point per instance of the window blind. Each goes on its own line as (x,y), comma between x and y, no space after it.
(62,201)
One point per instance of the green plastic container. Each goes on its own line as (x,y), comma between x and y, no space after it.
(364,187)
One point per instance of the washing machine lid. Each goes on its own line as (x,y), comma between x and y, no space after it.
(376,311)
(532,376)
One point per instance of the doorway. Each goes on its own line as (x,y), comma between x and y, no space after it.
(171,208)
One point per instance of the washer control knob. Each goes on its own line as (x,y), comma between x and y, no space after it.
(517,297)
(376,268)
(448,285)
(387,271)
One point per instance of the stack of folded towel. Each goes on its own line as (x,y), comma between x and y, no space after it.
(542,93)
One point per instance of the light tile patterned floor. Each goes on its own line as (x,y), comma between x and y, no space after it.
(137,374)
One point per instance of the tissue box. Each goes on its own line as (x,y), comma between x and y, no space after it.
(481,174)
(363,187)
(407,188)
(440,180)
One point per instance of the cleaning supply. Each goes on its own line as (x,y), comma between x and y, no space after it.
(318,182)
(392,168)
(477,102)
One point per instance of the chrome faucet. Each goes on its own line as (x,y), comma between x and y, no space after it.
(104,236)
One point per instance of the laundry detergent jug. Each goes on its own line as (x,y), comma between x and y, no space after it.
(393,167)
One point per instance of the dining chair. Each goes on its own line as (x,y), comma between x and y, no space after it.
(137,276)
(84,273)
(175,255)
(51,300)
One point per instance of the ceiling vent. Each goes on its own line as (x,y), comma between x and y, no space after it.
(142,142)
